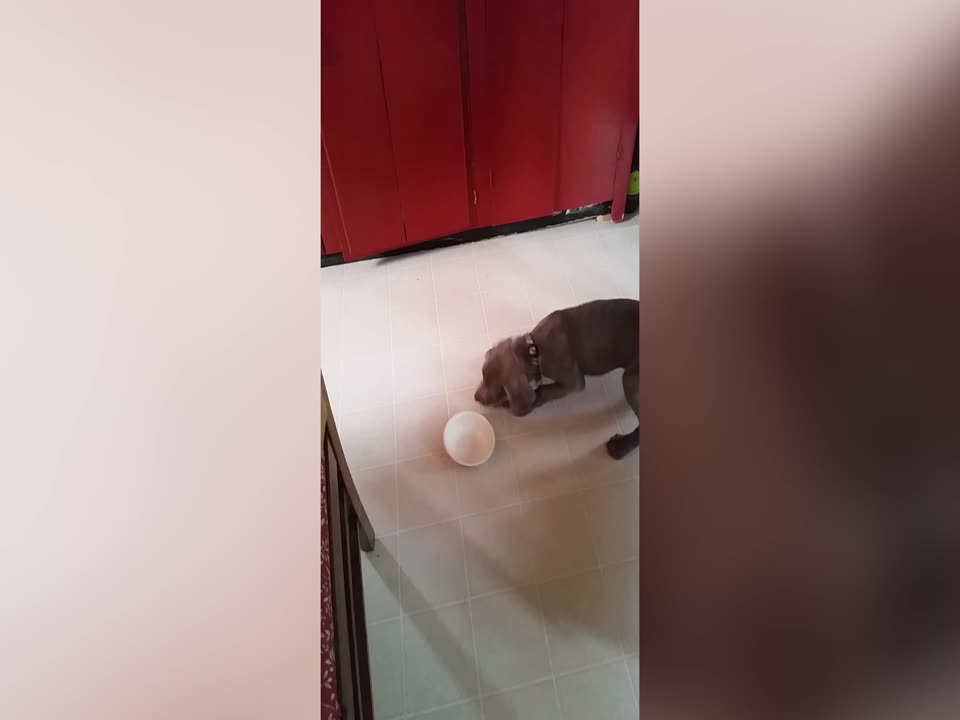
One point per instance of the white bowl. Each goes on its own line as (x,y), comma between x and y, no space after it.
(468,438)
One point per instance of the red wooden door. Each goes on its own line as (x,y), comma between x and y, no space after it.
(599,66)
(420,53)
(355,131)
(439,115)
(628,133)
(331,224)
(514,76)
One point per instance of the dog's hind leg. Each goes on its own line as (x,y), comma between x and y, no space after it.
(622,445)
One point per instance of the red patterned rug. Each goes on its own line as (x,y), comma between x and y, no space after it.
(329,708)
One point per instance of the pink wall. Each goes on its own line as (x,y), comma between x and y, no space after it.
(159,385)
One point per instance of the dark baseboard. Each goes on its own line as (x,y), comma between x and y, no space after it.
(331,259)
(484,233)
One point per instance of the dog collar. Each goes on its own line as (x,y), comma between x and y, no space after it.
(533,352)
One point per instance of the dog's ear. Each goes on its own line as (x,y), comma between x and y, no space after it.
(520,394)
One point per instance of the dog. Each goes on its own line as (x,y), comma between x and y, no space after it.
(554,359)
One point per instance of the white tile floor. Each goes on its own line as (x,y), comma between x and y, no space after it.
(507,591)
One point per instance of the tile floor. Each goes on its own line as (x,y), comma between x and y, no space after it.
(507,591)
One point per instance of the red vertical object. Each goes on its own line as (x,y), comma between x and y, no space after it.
(420,59)
(628,132)
(353,120)
(331,224)
(440,115)
(597,67)
(474,78)
(514,56)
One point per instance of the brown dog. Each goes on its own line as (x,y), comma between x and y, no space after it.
(523,373)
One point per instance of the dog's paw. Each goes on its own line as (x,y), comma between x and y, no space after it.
(619,446)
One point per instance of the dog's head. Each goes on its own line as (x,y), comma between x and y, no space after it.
(505,380)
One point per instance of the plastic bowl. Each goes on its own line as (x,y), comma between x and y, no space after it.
(468,438)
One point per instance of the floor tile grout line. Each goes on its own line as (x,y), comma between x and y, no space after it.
(438,708)
(590,667)
(499,591)
(609,662)
(586,521)
(473,625)
(634,691)
(486,325)
(443,360)
(566,443)
(480,513)
(495,508)
(546,640)
(433,396)
(463,548)
(529,684)
(488,594)
(396,486)
(608,413)
(604,582)
(511,506)
(483,309)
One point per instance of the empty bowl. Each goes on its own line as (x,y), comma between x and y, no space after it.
(468,438)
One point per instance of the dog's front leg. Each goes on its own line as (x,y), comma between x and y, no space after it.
(557,390)
(548,393)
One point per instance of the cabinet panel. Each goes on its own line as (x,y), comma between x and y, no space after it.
(355,131)
(514,50)
(628,134)
(598,69)
(331,225)
(420,43)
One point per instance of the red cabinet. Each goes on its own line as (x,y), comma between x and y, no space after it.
(515,92)
(420,62)
(331,224)
(443,115)
(354,131)
(596,84)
